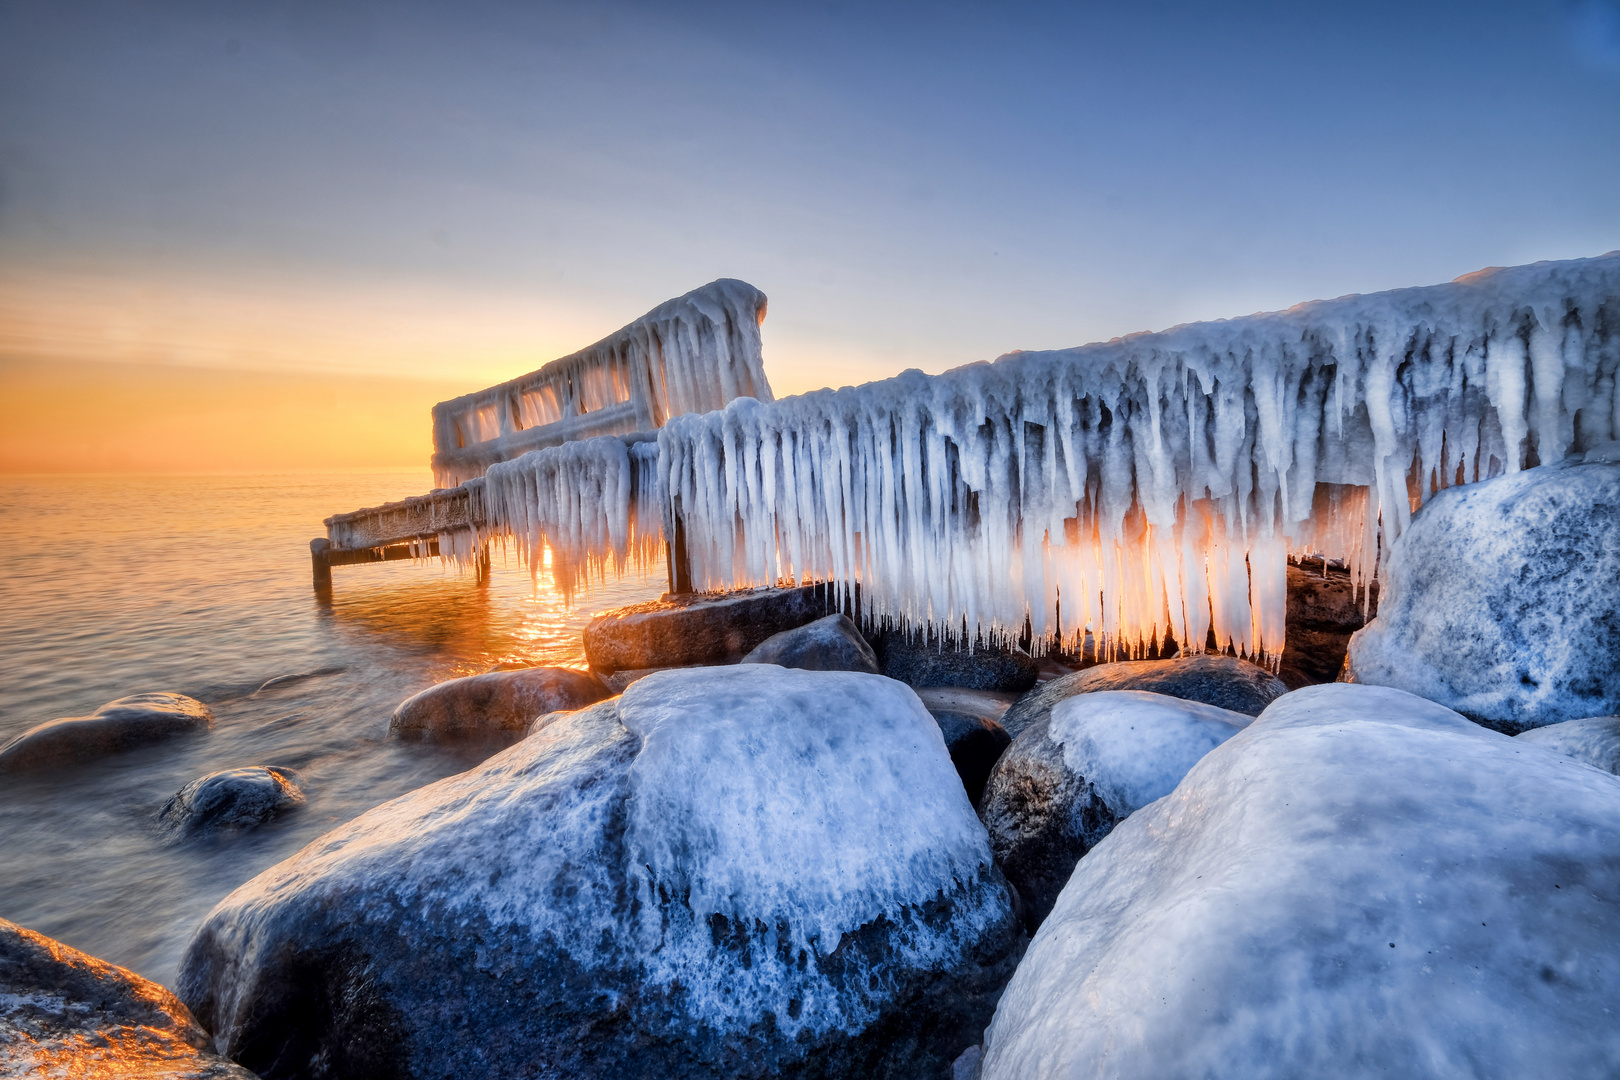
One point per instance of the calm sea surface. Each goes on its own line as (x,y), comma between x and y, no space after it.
(119,585)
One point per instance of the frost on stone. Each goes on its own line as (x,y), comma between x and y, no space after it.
(1158,481)
(1360,883)
(1134,746)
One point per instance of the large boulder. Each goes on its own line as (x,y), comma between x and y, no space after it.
(1070,778)
(1593,739)
(1361,883)
(1210,678)
(726,872)
(67,1014)
(494,703)
(970,721)
(1324,609)
(922,660)
(832,643)
(234,799)
(685,630)
(1502,603)
(118,725)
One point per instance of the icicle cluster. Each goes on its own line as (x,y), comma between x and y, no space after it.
(1155,483)
(594,504)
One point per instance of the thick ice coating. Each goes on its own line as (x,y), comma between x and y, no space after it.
(1361,883)
(1158,481)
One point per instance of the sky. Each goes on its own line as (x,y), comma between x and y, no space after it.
(242,235)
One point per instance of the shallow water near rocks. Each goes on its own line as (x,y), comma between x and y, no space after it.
(201,584)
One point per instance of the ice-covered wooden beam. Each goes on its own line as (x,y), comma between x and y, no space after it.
(1155,483)
(694,353)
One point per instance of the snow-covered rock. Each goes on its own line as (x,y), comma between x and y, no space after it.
(1222,681)
(1593,739)
(233,799)
(735,871)
(833,643)
(64,1013)
(1503,600)
(493,703)
(1361,883)
(1069,778)
(118,725)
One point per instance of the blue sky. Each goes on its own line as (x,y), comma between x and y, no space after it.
(466,190)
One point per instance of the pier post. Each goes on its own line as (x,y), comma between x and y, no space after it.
(483,564)
(320,564)
(680,563)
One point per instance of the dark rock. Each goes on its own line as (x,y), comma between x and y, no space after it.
(495,702)
(740,871)
(1324,609)
(970,722)
(832,643)
(68,1014)
(233,799)
(1072,775)
(1502,600)
(1593,739)
(1222,681)
(919,662)
(697,628)
(118,725)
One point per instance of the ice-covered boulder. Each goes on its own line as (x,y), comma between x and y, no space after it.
(118,725)
(697,628)
(1502,600)
(493,703)
(1361,883)
(922,661)
(726,872)
(1222,681)
(1069,778)
(833,643)
(233,799)
(1593,739)
(64,1013)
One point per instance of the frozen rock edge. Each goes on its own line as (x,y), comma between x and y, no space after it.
(1361,883)
(726,872)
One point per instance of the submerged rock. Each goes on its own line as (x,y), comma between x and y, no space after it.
(833,643)
(1361,883)
(1222,681)
(1069,778)
(922,662)
(118,725)
(233,799)
(1593,739)
(1502,600)
(741,871)
(697,628)
(493,703)
(67,1014)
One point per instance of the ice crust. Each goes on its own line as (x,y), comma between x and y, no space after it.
(1592,739)
(799,806)
(1134,746)
(1361,883)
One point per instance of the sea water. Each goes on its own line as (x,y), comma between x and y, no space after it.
(119,585)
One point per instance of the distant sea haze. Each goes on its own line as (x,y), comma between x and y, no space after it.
(201,585)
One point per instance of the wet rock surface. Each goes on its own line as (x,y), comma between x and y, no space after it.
(607,898)
(119,725)
(494,703)
(1592,739)
(920,662)
(1360,883)
(1222,681)
(68,1014)
(1502,603)
(1071,776)
(832,643)
(697,629)
(232,800)
(1324,609)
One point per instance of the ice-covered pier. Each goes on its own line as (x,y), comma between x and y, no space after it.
(1147,486)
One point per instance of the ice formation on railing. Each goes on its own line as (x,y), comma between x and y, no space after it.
(594,504)
(1158,482)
